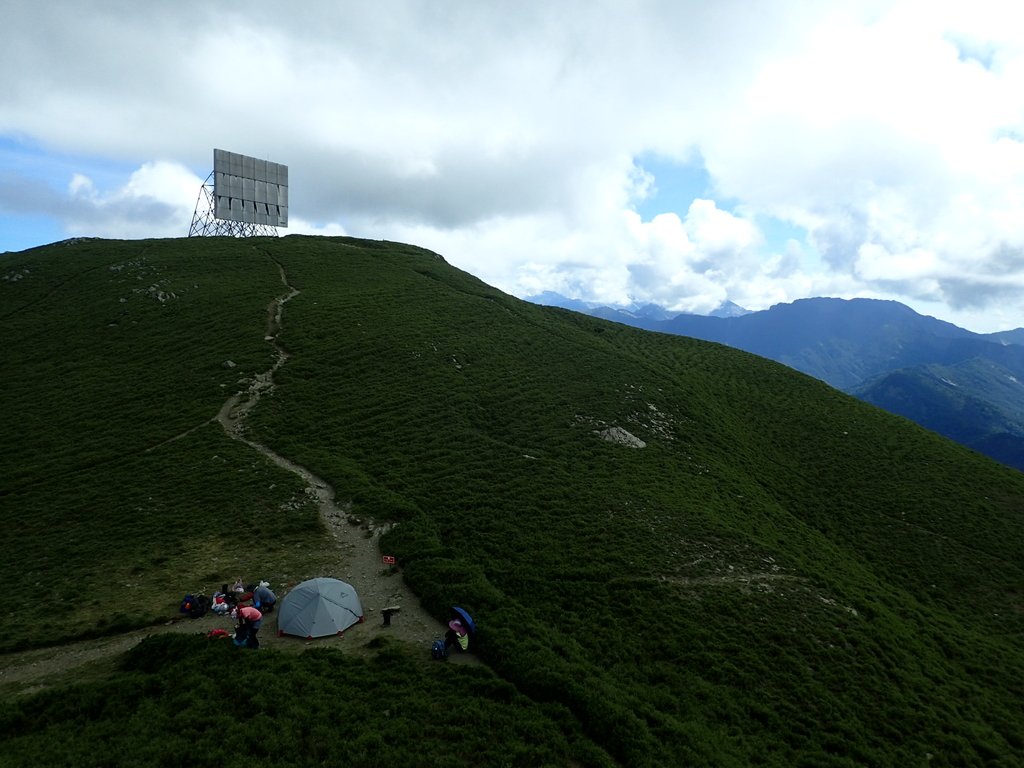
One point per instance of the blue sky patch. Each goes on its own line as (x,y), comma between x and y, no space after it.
(676,185)
(25,231)
(33,161)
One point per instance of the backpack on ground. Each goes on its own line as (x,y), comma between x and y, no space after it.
(438,650)
(198,607)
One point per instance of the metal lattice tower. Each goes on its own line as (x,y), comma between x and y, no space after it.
(206,224)
(244,196)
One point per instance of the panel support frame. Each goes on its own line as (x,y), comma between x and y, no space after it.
(206,224)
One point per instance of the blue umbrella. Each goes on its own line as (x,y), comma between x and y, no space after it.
(465,618)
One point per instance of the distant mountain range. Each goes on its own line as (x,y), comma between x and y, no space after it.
(964,385)
(637,315)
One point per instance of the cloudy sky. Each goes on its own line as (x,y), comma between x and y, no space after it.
(681,152)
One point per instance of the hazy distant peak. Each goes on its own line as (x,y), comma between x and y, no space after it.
(634,310)
(729,309)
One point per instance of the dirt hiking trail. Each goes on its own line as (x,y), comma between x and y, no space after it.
(358,563)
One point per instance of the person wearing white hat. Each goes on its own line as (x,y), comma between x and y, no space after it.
(263,598)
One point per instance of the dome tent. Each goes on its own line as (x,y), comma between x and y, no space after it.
(318,608)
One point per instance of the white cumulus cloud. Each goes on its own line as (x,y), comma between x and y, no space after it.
(157,200)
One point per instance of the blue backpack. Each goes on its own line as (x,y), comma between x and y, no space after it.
(438,651)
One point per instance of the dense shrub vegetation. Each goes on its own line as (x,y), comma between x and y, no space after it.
(113,350)
(782,576)
(197,702)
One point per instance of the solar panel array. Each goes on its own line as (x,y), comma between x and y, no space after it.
(250,190)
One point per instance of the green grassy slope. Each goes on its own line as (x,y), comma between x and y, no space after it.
(321,708)
(783,575)
(107,523)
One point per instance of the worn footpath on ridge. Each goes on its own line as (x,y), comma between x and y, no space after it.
(359,564)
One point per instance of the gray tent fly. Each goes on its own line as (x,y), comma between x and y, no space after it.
(318,608)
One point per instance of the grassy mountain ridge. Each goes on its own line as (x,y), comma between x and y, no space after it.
(888,355)
(783,575)
(101,373)
(880,351)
